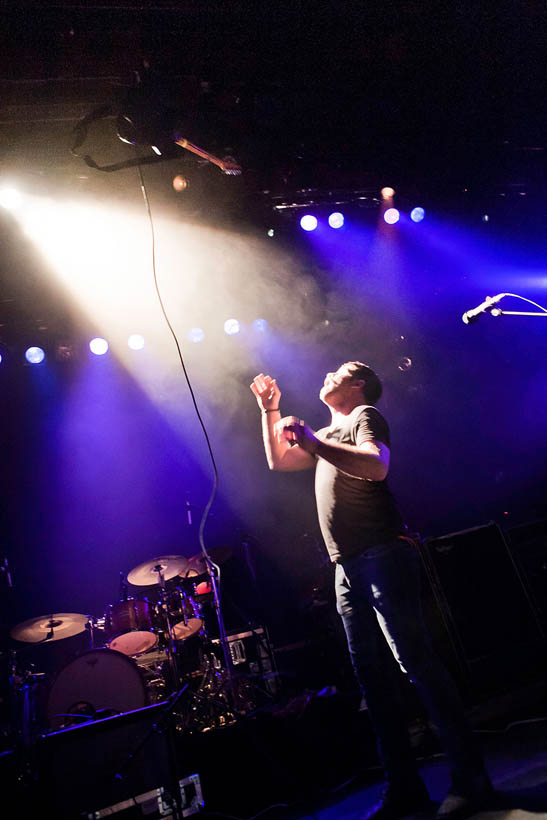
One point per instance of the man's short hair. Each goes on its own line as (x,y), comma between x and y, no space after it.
(372,387)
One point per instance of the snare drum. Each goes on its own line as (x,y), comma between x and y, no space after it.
(129,627)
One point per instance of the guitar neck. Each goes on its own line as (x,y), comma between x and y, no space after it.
(226,167)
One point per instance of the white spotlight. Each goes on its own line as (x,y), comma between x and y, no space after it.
(231,327)
(391,216)
(136,341)
(10,198)
(196,334)
(98,346)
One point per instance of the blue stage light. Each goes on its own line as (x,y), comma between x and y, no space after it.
(231,327)
(260,325)
(308,222)
(417,214)
(196,334)
(98,346)
(336,220)
(391,216)
(35,355)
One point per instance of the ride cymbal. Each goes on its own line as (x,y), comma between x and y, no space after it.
(148,573)
(197,564)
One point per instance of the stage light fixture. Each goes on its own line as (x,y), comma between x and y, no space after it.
(308,222)
(271,232)
(35,355)
(180,183)
(231,327)
(336,220)
(98,346)
(417,214)
(136,341)
(387,192)
(10,198)
(196,334)
(391,216)
(260,325)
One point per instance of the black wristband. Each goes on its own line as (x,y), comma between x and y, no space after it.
(271,410)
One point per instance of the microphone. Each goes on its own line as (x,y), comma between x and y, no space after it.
(471,316)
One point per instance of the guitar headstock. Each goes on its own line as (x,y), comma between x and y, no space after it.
(229,166)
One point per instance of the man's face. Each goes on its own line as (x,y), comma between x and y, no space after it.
(340,386)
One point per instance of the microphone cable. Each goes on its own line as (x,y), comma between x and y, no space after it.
(181,359)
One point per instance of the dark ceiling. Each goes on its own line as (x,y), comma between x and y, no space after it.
(428,95)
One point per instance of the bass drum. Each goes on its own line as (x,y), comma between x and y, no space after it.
(98,684)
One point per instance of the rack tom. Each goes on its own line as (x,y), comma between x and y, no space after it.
(130,627)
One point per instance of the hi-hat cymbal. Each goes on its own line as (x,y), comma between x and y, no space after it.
(197,564)
(148,573)
(50,627)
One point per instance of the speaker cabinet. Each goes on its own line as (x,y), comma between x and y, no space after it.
(487,609)
(528,544)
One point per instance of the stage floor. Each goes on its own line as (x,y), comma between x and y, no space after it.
(516,758)
(314,759)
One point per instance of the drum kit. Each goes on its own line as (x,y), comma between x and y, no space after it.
(142,651)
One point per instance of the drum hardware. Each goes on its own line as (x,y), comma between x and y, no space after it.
(184,613)
(181,620)
(205,563)
(27,691)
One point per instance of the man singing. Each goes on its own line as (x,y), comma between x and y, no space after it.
(377,583)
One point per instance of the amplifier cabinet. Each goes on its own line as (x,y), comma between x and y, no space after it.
(486,607)
(528,545)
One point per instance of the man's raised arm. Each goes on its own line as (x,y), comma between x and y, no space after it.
(280,455)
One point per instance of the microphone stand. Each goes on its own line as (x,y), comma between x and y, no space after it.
(171,649)
(500,312)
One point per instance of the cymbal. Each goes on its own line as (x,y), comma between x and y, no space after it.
(147,573)
(197,565)
(50,627)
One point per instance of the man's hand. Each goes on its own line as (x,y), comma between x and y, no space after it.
(294,429)
(266,391)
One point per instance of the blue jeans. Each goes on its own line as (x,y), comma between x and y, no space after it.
(378,599)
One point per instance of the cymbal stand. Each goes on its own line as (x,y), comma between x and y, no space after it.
(171,647)
(214,574)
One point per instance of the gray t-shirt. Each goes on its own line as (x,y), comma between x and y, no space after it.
(354,513)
